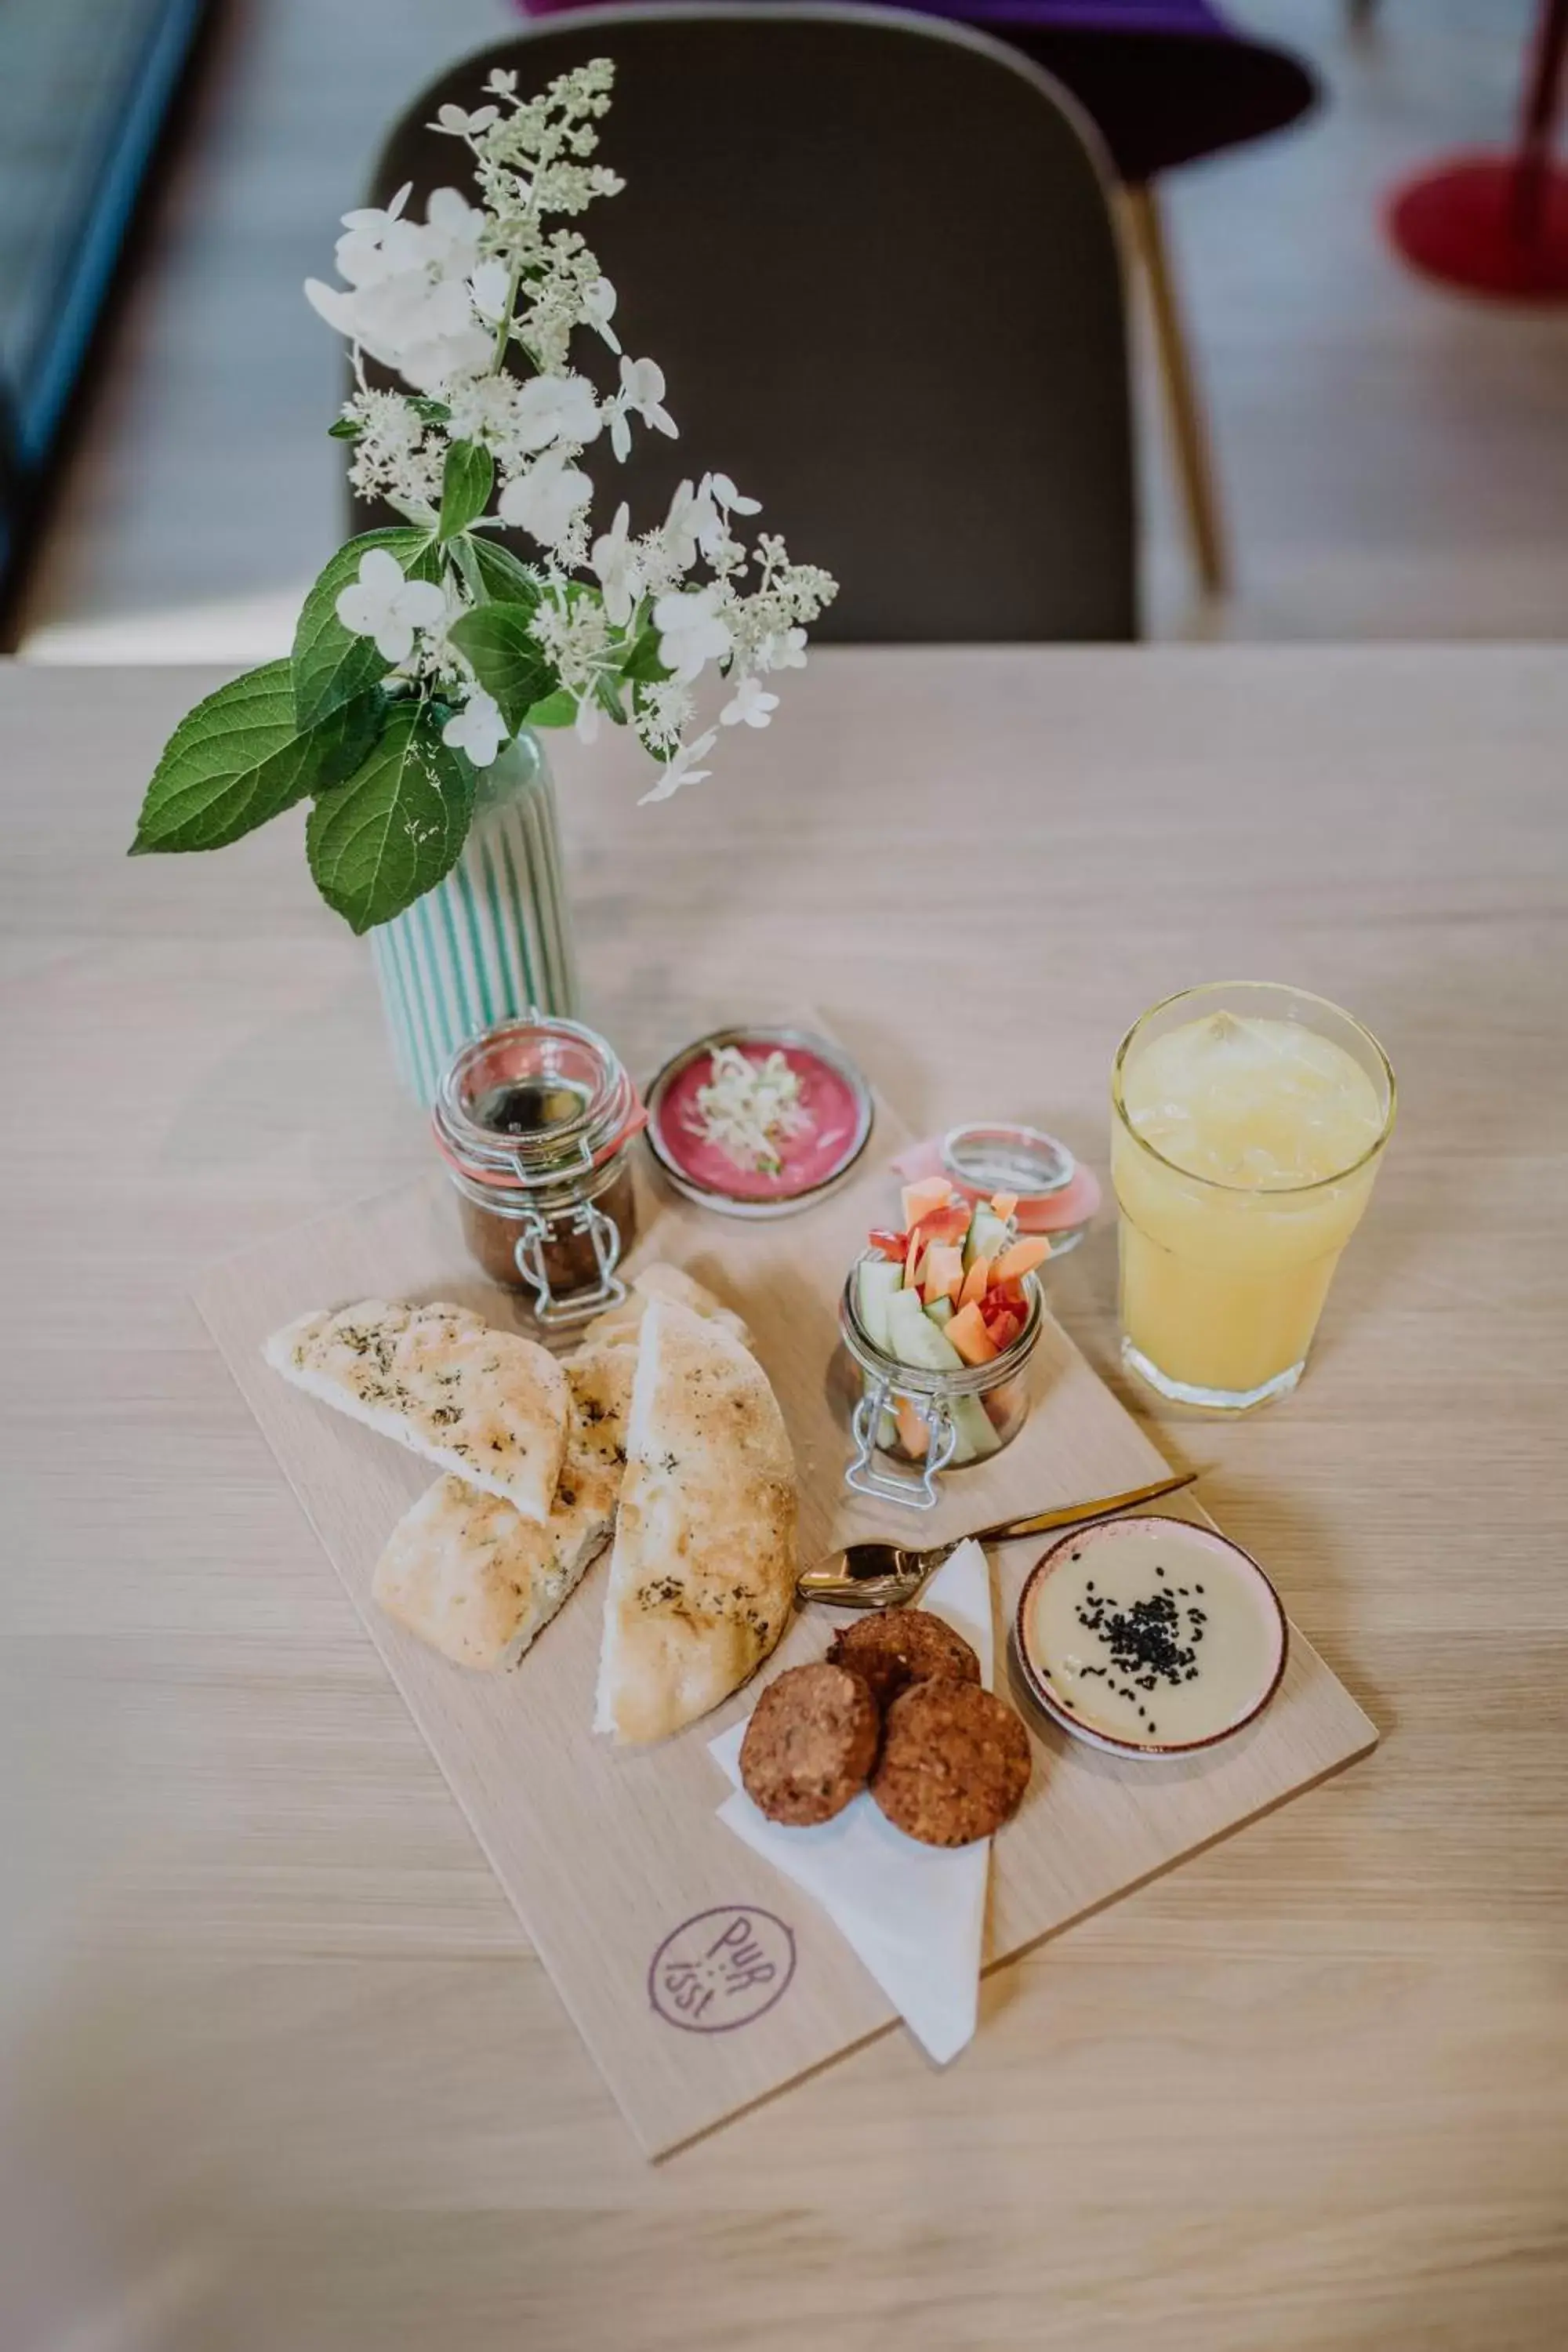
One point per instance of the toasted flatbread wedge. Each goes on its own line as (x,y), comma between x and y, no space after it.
(661,1281)
(467,1574)
(486,1404)
(702,1575)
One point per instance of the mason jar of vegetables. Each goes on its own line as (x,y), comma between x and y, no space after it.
(940,1318)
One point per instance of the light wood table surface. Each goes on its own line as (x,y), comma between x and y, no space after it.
(276,2068)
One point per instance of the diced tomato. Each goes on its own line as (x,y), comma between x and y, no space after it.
(891,1246)
(1003,1326)
(1006,1294)
(912,1256)
(948,1224)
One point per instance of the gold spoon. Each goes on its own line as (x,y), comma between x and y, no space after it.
(887,1575)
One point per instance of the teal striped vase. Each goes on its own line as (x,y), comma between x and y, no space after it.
(492,941)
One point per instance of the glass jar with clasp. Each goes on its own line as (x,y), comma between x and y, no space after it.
(936,1421)
(535,1120)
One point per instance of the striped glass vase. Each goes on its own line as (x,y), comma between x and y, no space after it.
(494,938)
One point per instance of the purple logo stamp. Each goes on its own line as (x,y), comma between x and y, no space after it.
(721,1969)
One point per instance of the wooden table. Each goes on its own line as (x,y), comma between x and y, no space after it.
(278,2071)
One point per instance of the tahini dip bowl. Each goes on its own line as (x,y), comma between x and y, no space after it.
(1149,1636)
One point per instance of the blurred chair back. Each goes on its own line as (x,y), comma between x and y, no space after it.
(874,257)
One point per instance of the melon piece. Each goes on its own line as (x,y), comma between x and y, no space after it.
(921,1200)
(967,1333)
(1021,1259)
(977,1282)
(944,1274)
(913,1434)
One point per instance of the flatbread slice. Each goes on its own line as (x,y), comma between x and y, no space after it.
(486,1404)
(661,1281)
(702,1575)
(464,1571)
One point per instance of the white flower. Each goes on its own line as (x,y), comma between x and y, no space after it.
(383,604)
(691,632)
(544,501)
(556,408)
(408,302)
(613,564)
(477,728)
(751,705)
(490,285)
(728,497)
(599,309)
(585,726)
(680,771)
(642,391)
(462,124)
(678,532)
(371,247)
(450,240)
(784,649)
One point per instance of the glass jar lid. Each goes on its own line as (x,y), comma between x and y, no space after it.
(534,1104)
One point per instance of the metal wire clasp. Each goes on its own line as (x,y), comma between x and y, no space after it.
(559,1314)
(915,1492)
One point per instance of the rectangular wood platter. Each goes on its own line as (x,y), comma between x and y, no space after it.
(656,1924)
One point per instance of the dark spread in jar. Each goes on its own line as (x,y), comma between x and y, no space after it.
(535,1120)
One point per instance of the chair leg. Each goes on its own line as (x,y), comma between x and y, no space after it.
(1189,432)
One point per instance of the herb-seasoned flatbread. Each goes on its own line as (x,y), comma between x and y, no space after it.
(661,1281)
(702,1576)
(467,1574)
(486,1404)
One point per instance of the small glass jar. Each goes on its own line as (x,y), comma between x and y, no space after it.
(535,1120)
(940,1421)
(1056,1194)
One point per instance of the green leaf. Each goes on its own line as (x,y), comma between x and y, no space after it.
(331,664)
(238,758)
(388,835)
(557,710)
(465,487)
(434,412)
(345,428)
(643,663)
(508,663)
(502,578)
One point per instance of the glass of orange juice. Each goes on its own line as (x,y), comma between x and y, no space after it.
(1248,1124)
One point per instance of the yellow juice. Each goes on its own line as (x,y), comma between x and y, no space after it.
(1243,1154)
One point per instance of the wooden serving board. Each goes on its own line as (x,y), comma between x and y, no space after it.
(699,1980)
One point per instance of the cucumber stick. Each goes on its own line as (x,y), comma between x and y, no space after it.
(939,1312)
(987,1237)
(916,1338)
(878,1282)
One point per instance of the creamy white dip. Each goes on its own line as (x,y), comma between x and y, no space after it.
(1155,1632)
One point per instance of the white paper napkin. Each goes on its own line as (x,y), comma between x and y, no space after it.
(915,1913)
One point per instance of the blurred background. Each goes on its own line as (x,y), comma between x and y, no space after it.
(1384,452)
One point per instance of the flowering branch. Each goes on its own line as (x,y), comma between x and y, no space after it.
(475,309)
